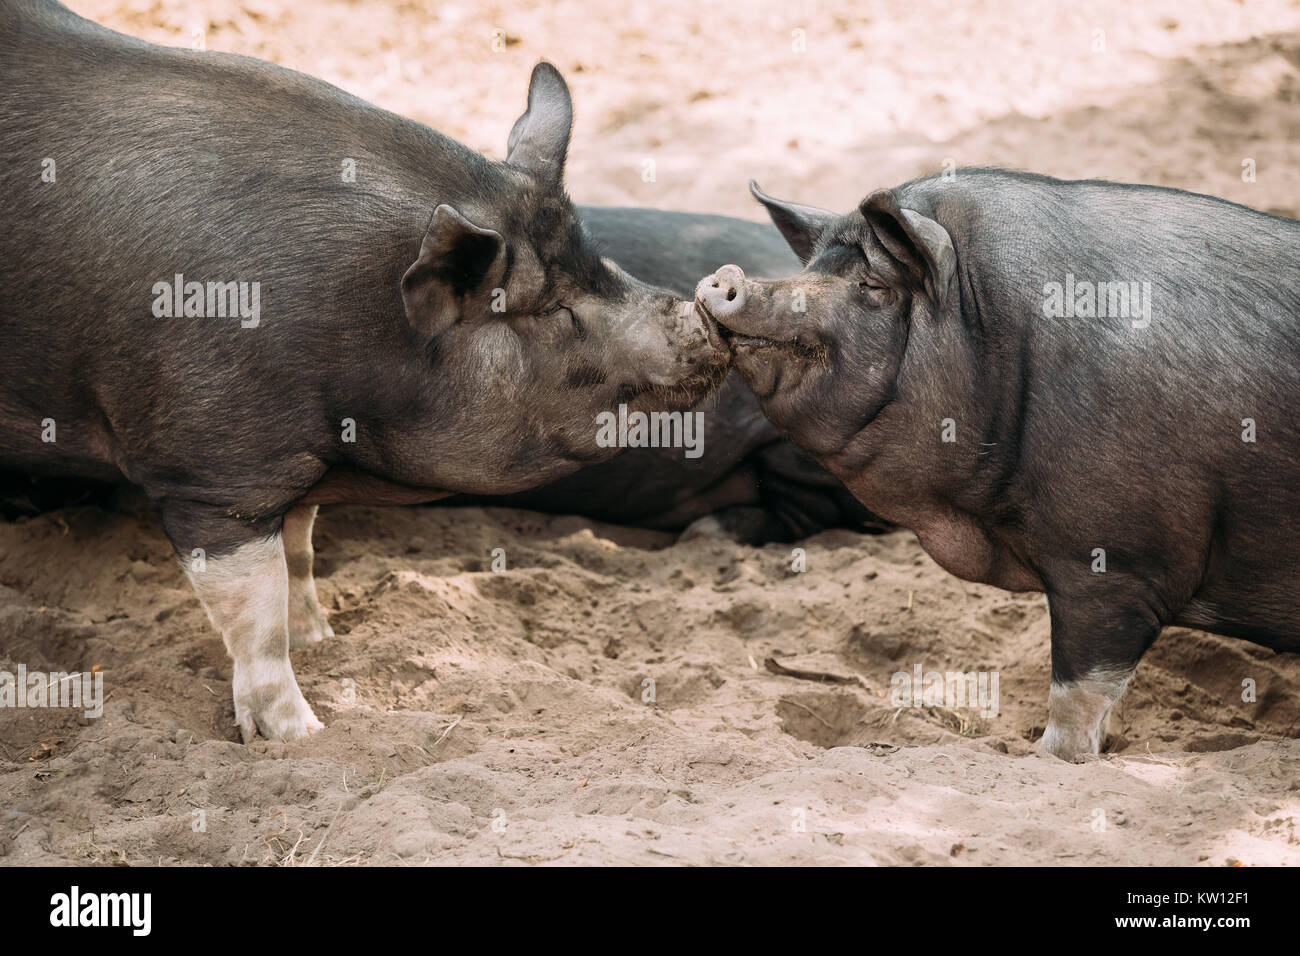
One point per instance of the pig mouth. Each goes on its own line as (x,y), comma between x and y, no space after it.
(681,394)
(694,387)
(737,340)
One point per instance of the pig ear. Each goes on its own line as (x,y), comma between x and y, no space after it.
(801,225)
(539,140)
(457,259)
(920,245)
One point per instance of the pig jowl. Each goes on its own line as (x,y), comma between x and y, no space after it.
(251,312)
(1082,388)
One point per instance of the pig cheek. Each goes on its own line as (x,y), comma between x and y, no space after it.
(500,362)
(636,350)
(804,391)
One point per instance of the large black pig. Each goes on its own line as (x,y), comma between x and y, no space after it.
(1082,388)
(249,293)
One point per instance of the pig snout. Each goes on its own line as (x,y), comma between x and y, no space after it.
(696,348)
(723,293)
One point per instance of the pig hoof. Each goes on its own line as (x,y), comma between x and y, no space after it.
(278,711)
(311,626)
(1078,713)
(706,527)
(308,633)
(295,727)
(1070,747)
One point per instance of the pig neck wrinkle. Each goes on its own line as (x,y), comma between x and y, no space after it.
(1001,423)
(888,396)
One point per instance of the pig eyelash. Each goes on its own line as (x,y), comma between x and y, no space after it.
(868,284)
(578,328)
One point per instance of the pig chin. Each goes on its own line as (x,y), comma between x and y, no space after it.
(771,365)
(682,394)
(764,374)
(702,377)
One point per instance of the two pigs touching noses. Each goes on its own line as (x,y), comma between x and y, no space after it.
(916,357)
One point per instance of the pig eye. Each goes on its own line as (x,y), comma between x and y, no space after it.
(876,294)
(573,318)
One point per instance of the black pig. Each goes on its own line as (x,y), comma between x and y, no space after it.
(1082,388)
(250,293)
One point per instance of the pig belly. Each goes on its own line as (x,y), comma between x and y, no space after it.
(1250,585)
(960,546)
(348,486)
(1263,613)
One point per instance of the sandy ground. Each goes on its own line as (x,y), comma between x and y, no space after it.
(606,698)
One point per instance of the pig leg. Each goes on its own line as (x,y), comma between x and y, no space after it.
(243,583)
(308,623)
(1096,646)
(1079,712)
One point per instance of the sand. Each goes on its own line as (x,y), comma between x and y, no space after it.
(607,698)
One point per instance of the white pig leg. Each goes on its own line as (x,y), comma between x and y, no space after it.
(1102,624)
(308,622)
(245,593)
(1078,712)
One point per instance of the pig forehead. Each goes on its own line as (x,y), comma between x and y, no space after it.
(572,260)
(850,230)
(551,247)
(840,254)
(566,267)
(546,218)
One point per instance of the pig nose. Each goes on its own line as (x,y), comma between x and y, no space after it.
(723,293)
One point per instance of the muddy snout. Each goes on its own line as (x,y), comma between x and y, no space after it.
(723,294)
(696,336)
(683,347)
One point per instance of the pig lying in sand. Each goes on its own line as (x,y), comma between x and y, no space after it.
(434,323)
(1081,388)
